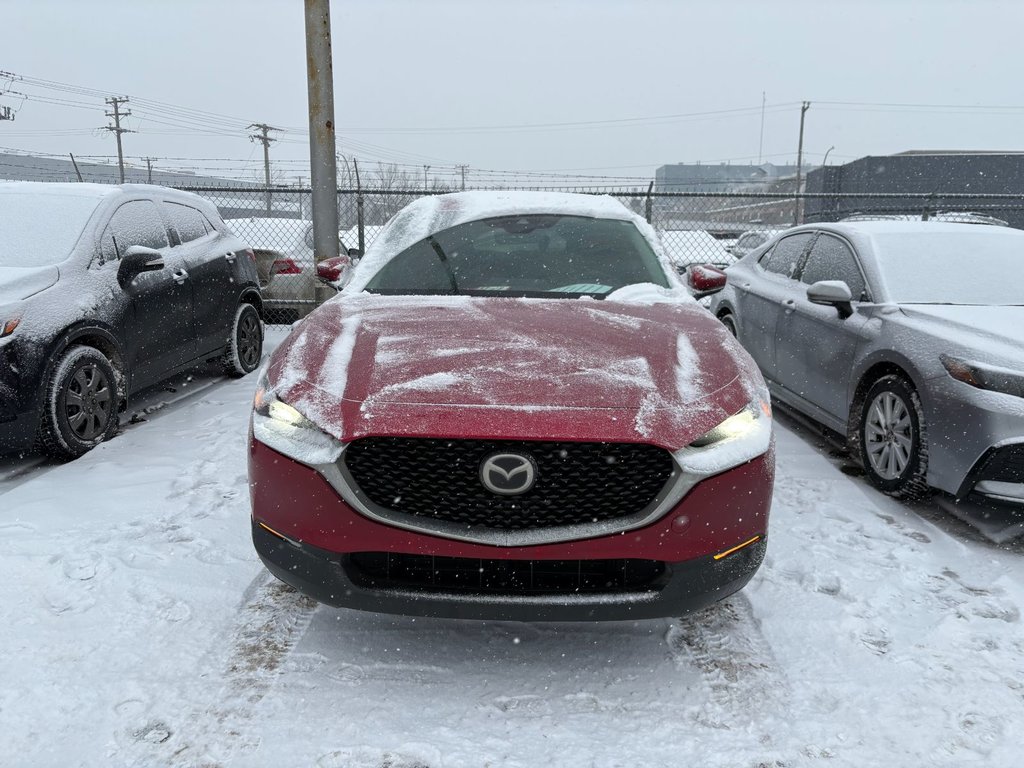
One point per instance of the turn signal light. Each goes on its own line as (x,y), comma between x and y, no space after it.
(737,548)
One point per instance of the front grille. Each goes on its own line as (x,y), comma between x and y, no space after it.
(1005,465)
(502,577)
(576,483)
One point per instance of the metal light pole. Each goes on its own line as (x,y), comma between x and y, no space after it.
(322,161)
(825,159)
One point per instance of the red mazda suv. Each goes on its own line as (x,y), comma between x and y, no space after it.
(512,410)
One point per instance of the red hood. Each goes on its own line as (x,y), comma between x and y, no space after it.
(513,368)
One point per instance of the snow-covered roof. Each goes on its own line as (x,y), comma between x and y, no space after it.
(916,227)
(95,191)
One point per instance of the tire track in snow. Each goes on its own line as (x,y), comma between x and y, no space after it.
(271,620)
(745,685)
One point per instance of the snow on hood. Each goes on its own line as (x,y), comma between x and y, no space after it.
(19,283)
(429,215)
(992,334)
(489,366)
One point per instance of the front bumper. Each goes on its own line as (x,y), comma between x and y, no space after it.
(330,578)
(318,533)
(972,435)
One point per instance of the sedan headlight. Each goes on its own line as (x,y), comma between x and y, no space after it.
(984,376)
(282,427)
(738,439)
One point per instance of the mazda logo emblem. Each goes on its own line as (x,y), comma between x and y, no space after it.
(508,474)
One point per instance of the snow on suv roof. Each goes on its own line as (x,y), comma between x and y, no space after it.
(51,188)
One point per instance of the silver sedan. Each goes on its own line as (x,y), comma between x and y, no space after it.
(907,337)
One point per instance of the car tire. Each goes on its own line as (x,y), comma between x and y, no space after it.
(729,322)
(245,343)
(893,438)
(81,406)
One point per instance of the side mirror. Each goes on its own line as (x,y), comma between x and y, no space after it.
(704,280)
(832,293)
(354,253)
(332,270)
(136,260)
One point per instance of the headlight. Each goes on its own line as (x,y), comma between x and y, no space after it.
(735,426)
(740,438)
(984,376)
(282,427)
(7,326)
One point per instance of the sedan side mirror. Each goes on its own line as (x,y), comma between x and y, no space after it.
(136,260)
(354,253)
(832,293)
(705,280)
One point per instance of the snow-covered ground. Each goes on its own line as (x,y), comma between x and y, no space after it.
(139,628)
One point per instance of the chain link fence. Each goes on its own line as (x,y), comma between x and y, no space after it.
(695,228)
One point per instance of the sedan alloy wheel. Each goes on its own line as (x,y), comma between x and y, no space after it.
(892,440)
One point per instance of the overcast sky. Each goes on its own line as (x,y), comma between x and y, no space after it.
(493,84)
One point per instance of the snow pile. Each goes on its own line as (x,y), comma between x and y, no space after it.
(649,293)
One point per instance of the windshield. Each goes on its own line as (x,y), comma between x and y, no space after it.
(531,255)
(981,268)
(40,230)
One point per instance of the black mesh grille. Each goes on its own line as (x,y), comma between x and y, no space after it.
(502,577)
(576,483)
(1004,464)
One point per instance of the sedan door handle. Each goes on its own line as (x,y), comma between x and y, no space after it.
(180,276)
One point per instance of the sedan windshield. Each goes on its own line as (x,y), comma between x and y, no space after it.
(979,268)
(42,229)
(530,255)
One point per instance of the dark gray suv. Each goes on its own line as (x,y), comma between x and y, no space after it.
(105,290)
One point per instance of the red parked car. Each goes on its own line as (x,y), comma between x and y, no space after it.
(513,410)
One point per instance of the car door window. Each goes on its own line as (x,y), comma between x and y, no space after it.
(137,222)
(784,258)
(189,223)
(832,259)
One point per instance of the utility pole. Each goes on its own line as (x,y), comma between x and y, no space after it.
(323,163)
(149,169)
(760,144)
(115,103)
(799,163)
(463,168)
(264,138)
(425,169)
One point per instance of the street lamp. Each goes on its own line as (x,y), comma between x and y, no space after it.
(824,160)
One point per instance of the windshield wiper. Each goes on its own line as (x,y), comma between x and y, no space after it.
(444,261)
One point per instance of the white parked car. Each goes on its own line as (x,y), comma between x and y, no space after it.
(285,262)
